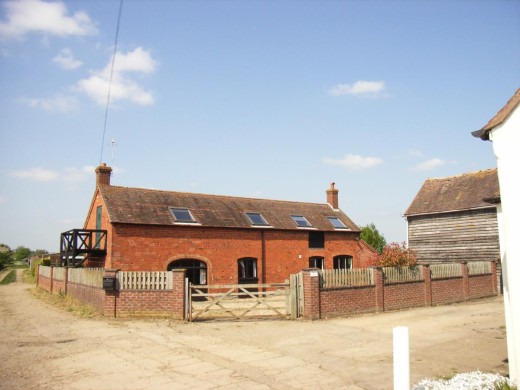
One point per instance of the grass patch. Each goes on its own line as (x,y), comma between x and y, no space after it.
(66,302)
(29,277)
(9,278)
(18,266)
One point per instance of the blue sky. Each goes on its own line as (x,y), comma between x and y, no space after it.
(270,99)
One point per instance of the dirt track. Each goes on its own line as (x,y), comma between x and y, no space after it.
(43,347)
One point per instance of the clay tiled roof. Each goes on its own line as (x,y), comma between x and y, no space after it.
(455,193)
(152,207)
(500,116)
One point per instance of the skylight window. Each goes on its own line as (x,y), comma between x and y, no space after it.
(182,215)
(336,222)
(300,221)
(257,219)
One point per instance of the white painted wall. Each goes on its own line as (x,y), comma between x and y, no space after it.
(506,146)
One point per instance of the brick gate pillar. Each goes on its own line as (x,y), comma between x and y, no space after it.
(427,284)
(179,294)
(380,289)
(110,306)
(494,273)
(465,280)
(311,294)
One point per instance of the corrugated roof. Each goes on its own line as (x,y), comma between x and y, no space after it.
(455,193)
(500,116)
(152,207)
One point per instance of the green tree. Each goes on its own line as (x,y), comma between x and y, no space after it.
(372,237)
(6,255)
(40,252)
(21,253)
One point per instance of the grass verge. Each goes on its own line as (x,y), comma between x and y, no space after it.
(66,303)
(9,278)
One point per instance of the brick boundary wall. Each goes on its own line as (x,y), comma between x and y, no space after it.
(318,302)
(45,283)
(345,301)
(123,303)
(89,295)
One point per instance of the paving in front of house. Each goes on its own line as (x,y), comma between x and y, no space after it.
(43,347)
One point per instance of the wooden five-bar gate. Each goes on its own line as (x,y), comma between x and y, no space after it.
(239,301)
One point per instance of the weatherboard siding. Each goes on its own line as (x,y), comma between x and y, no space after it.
(470,235)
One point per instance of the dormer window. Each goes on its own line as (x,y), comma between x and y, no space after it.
(182,215)
(336,222)
(257,219)
(300,221)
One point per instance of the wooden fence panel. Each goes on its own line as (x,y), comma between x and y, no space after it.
(403,274)
(92,277)
(479,267)
(444,271)
(145,280)
(347,277)
(45,271)
(58,273)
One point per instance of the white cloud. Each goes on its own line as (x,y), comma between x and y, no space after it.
(2,199)
(69,175)
(429,165)
(65,60)
(36,174)
(26,16)
(62,103)
(359,88)
(138,60)
(74,175)
(354,162)
(123,88)
(415,153)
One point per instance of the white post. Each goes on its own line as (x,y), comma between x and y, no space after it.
(401,359)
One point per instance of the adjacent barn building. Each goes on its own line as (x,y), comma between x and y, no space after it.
(454,219)
(218,239)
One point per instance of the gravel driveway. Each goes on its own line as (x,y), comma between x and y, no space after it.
(43,347)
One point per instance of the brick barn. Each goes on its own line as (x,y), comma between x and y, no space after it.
(221,239)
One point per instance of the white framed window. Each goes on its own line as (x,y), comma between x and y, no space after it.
(257,219)
(337,223)
(182,215)
(300,221)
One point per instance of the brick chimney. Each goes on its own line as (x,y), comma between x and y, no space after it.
(103,174)
(332,197)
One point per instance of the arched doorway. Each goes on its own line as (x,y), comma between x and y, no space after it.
(196,270)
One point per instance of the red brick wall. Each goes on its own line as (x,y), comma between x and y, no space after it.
(403,295)
(354,300)
(445,291)
(58,286)
(90,223)
(381,297)
(480,286)
(152,303)
(139,248)
(135,303)
(89,295)
(44,282)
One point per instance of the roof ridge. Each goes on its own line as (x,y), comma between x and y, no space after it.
(462,174)
(216,195)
